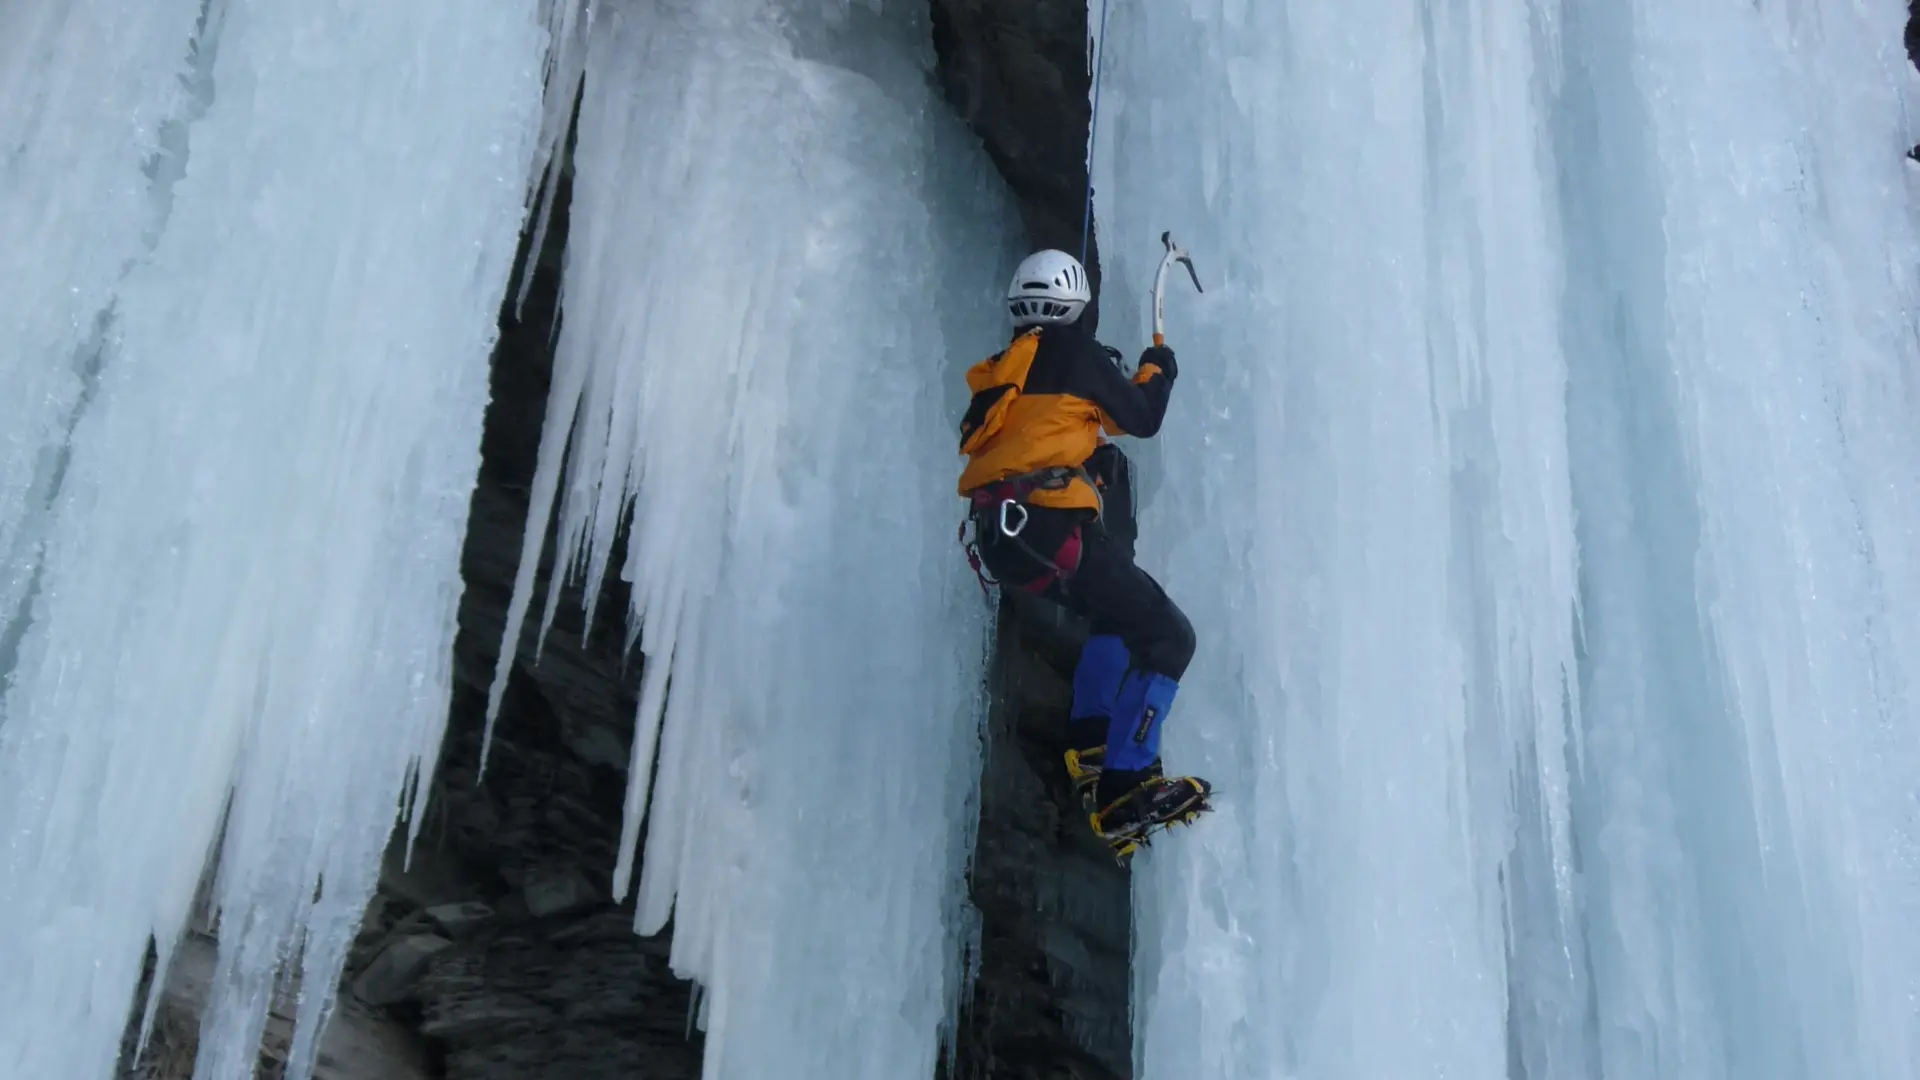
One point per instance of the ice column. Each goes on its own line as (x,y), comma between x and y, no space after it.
(1541,481)
(1364,503)
(1743,381)
(246,604)
(782,254)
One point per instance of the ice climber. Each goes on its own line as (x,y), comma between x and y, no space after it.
(1051,505)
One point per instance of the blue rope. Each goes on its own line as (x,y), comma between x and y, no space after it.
(1093,131)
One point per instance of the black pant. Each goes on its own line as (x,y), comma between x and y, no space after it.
(1107,588)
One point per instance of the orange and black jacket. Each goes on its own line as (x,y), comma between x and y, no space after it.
(1045,402)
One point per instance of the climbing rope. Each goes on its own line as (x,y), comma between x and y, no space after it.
(1093,130)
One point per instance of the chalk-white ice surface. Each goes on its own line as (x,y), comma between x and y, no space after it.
(279,256)
(1541,481)
(91,96)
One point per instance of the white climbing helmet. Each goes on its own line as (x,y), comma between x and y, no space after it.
(1048,287)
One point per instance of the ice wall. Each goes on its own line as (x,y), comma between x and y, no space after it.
(275,239)
(781,256)
(1741,351)
(87,94)
(1363,503)
(1541,484)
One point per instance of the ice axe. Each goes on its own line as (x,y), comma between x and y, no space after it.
(1175,254)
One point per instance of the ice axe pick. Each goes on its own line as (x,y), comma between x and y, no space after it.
(1175,254)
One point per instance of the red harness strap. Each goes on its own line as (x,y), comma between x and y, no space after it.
(973,560)
(1059,567)
(1064,562)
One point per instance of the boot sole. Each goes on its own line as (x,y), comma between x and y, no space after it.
(1125,842)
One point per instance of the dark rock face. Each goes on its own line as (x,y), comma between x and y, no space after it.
(500,944)
(1051,999)
(543,975)
(574,997)
(1913,32)
(1017,71)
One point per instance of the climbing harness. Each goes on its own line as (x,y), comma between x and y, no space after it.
(1004,504)
(972,548)
(1093,130)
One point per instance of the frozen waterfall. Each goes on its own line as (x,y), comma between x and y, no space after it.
(1543,484)
(782,256)
(259,251)
(256,257)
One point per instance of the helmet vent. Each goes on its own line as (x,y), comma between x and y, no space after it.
(1048,287)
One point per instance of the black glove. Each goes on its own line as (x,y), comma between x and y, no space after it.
(1161,357)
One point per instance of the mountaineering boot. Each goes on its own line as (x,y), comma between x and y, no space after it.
(1139,711)
(1133,794)
(1156,802)
(1083,771)
(1086,758)
(1096,690)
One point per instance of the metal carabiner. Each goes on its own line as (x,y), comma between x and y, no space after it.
(1012,530)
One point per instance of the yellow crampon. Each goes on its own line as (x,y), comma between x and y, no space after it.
(1127,840)
(1083,769)
(1125,845)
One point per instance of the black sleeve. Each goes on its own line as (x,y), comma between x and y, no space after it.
(1136,408)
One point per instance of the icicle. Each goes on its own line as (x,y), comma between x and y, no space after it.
(777,268)
(250,570)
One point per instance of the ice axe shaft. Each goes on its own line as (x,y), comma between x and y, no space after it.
(1174,254)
